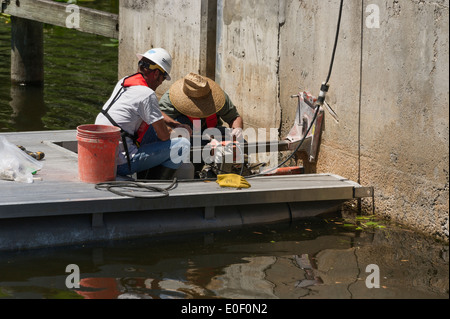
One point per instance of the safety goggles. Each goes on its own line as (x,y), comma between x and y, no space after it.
(153,66)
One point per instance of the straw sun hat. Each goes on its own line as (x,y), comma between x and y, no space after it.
(197,96)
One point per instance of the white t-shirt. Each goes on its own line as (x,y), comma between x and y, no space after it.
(134,105)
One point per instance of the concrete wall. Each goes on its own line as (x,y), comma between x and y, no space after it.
(176,26)
(403,121)
(396,139)
(247,58)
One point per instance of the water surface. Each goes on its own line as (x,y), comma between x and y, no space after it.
(314,258)
(80,71)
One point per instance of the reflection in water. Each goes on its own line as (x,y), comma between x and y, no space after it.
(27,104)
(246,280)
(307,260)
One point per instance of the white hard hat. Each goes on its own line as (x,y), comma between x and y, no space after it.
(161,57)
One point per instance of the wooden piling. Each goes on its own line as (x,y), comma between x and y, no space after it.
(27,52)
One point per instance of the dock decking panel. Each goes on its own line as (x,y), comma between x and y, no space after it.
(48,199)
(61,193)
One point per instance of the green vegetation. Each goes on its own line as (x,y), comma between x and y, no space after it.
(113,43)
(5,18)
(364,223)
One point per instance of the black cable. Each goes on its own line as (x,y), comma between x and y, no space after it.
(142,185)
(110,186)
(359,201)
(335,41)
(360,91)
(318,106)
(295,151)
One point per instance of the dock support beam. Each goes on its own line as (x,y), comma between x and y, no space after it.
(97,221)
(210,213)
(27,52)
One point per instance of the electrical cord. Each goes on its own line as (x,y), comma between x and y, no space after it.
(336,40)
(321,100)
(146,187)
(293,153)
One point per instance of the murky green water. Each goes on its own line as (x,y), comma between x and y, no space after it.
(309,259)
(80,72)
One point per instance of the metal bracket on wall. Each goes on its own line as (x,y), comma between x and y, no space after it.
(361,192)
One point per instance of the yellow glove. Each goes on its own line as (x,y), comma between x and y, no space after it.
(232,180)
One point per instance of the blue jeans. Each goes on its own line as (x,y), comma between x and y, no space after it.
(152,152)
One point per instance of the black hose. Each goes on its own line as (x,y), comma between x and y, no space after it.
(318,106)
(142,185)
(164,192)
(335,41)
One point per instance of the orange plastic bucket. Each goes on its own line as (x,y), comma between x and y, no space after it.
(97,152)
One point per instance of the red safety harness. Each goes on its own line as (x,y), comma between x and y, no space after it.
(138,80)
(133,80)
(211,121)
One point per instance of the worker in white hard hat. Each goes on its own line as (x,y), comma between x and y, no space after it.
(133,105)
(157,59)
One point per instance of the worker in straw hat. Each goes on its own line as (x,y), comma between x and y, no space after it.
(197,103)
(196,97)
(200,103)
(132,105)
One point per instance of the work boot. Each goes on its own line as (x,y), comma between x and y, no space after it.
(166,173)
(157,173)
(151,173)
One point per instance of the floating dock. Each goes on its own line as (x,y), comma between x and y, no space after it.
(58,209)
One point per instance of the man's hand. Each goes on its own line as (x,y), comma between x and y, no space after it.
(185,126)
(174,126)
(237,132)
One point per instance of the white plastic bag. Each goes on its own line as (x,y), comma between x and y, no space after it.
(16,165)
